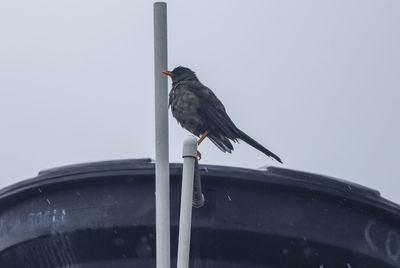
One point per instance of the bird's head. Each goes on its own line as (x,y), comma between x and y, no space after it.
(181,73)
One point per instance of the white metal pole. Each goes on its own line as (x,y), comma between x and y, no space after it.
(185,219)
(161,119)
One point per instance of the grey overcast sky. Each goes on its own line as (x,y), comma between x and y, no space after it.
(316,82)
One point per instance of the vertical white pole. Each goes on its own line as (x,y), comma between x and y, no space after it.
(185,219)
(161,118)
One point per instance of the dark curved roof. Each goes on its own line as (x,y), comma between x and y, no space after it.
(273,176)
(251,216)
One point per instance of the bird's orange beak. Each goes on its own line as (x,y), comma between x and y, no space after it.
(167,73)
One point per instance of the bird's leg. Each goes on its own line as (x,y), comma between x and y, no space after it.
(202,137)
(200,140)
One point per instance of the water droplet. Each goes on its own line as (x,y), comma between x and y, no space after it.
(143,248)
(349,187)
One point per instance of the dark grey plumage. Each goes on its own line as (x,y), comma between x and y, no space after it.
(197,109)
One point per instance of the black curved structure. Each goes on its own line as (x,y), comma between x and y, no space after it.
(102,215)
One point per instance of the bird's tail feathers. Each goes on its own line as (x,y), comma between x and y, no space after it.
(243,136)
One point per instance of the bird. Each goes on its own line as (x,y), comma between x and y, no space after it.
(198,110)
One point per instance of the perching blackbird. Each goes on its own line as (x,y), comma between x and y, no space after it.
(197,109)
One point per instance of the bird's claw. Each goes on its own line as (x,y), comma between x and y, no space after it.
(199,155)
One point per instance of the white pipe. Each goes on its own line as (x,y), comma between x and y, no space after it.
(161,119)
(185,219)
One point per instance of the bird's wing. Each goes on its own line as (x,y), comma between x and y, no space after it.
(214,112)
(220,126)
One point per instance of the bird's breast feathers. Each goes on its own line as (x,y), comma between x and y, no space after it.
(185,106)
(183,100)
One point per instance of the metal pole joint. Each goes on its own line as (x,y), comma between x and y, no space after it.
(189,147)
